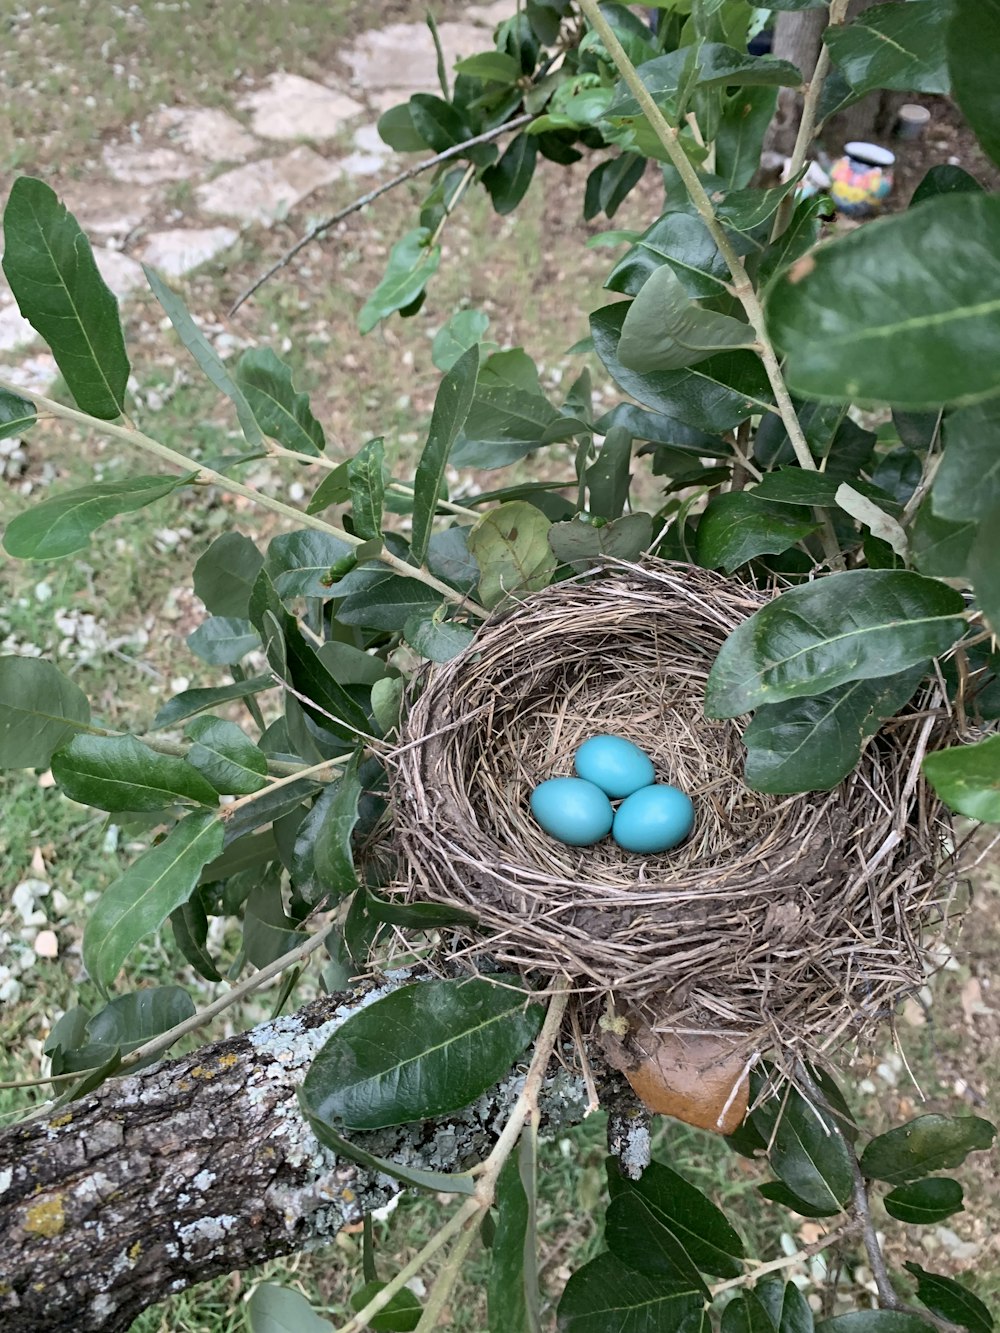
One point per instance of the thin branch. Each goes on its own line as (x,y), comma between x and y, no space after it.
(457,150)
(227,811)
(444,1283)
(788,1260)
(742,287)
(807,125)
(452,204)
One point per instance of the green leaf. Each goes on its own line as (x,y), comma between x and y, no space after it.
(510,545)
(205,355)
(604,1295)
(367,485)
(421,1051)
(737,527)
(386,602)
(928,1143)
(967,777)
(664,330)
(462,331)
(745,119)
(268,932)
(714,396)
(936,342)
(664,1227)
(274,1309)
(580,544)
(951,1300)
(120,773)
(400,1315)
(812,744)
(387,703)
(775,1191)
(16,414)
(864,624)
(512,1290)
(944,179)
(610,183)
(973,39)
(684,243)
(189,923)
(302,563)
(797,486)
(40,709)
(720,66)
(937,546)
(141,899)
(608,476)
(411,266)
(128,1022)
(893,46)
(332,490)
(438,1181)
(189,702)
(490,65)
(451,408)
(64,524)
(281,413)
(225,574)
(746,210)
(332,855)
(925,1201)
(437,640)
(226,756)
(971,455)
(508,181)
(52,273)
(223,640)
(982,566)
(505,422)
(805,1152)
(874,1321)
(396,128)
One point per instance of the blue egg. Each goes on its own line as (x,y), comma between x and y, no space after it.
(653,819)
(574,811)
(615,765)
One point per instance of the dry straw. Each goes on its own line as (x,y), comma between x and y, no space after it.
(788,919)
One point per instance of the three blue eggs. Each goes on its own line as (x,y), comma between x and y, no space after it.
(652,816)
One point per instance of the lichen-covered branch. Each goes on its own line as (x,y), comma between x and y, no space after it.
(201,1166)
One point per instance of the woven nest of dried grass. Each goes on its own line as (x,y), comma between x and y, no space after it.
(785,920)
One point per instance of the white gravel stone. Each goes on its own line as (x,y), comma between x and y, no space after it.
(205,132)
(138,165)
(15,331)
(266,190)
(291,107)
(183,249)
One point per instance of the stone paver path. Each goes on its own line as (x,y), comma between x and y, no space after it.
(283,141)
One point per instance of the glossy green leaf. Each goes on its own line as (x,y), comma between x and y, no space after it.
(508,181)
(722,66)
(982,566)
(442,126)
(684,243)
(936,341)
(925,1201)
(386,602)
(512,1298)
(225,574)
(745,210)
(63,524)
(419,1052)
(464,330)
(745,119)
(128,1022)
(604,1295)
(141,899)
(859,625)
(812,744)
(967,482)
(281,413)
(301,564)
(973,40)
(411,266)
(737,527)
(205,355)
(365,477)
(120,773)
(226,756)
(893,46)
(416,916)
(438,1181)
(223,640)
(581,544)
(275,1309)
(967,777)
(776,1191)
(610,183)
(805,1152)
(332,490)
(664,1227)
(189,702)
(664,330)
(437,640)
(944,179)
(451,408)
(507,421)
(332,854)
(400,1315)
(713,396)
(189,923)
(16,414)
(608,476)
(268,931)
(797,486)
(490,65)
(510,545)
(874,1321)
(54,277)
(40,709)
(387,703)
(928,1143)
(939,547)
(951,1300)
(396,128)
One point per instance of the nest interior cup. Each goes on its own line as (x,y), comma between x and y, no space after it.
(783,918)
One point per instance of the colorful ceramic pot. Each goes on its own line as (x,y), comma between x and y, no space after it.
(861,179)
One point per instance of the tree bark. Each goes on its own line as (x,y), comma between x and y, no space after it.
(200,1166)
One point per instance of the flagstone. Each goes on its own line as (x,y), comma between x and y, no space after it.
(290,107)
(182,249)
(266,190)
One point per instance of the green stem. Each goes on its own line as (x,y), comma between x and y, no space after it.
(742,287)
(445,1283)
(206,474)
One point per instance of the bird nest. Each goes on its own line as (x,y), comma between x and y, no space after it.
(787,920)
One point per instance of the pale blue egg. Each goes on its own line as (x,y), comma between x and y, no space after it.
(653,819)
(615,765)
(574,811)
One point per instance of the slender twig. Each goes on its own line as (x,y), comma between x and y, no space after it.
(457,150)
(807,125)
(229,810)
(209,475)
(742,288)
(452,204)
(445,1281)
(788,1260)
